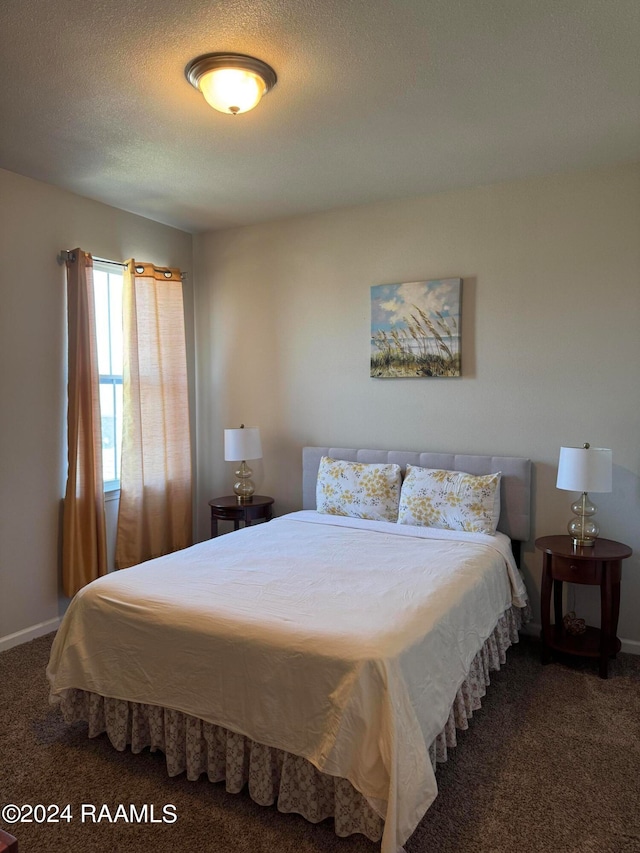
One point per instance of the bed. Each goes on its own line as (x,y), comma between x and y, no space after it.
(324,661)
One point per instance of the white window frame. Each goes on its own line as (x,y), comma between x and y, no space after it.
(113,380)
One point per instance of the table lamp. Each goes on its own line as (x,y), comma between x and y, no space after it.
(240,445)
(584,469)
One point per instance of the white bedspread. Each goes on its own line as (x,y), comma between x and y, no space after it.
(340,640)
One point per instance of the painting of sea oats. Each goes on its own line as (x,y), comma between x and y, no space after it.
(415,328)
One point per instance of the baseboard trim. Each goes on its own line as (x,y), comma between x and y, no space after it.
(533,629)
(28,634)
(632,647)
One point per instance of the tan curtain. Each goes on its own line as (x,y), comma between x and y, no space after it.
(84,548)
(154,516)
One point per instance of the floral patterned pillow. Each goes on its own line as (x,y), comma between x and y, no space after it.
(450,499)
(358,489)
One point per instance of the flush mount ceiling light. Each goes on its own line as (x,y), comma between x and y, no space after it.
(231,82)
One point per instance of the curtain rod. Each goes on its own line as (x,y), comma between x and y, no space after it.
(67,255)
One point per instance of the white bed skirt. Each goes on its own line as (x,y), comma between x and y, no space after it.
(272,775)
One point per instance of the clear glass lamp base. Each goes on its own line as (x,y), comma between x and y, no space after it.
(582,529)
(244,487)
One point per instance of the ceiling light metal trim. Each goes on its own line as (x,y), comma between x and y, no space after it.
(207,62)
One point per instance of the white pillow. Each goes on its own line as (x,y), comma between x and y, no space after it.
(358,489)
(450,499)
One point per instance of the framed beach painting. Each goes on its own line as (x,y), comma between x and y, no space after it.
(415,328)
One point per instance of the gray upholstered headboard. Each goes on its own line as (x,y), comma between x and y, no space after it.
(515,485)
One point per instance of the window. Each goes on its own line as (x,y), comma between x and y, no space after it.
(107,284)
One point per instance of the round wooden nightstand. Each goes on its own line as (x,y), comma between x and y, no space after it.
(599,565)
(228,509)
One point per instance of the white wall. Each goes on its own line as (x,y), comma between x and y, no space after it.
(36,222)
(551,342)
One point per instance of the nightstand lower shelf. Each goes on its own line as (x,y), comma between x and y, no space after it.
(584,645)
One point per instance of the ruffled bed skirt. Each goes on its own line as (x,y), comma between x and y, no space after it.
(272,775)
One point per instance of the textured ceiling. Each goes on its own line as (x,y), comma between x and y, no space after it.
(376,99)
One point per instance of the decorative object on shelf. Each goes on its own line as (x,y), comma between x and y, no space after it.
(240,445)
(573,624)
(584,469)
(231,83)
(415,328)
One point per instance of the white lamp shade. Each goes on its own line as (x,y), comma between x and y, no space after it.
(241,444)
(585,469)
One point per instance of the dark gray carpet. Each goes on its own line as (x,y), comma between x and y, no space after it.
(550,763)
